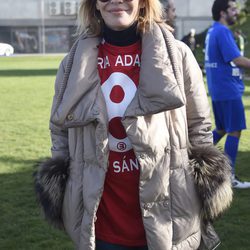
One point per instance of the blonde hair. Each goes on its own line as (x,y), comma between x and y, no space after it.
(90,20)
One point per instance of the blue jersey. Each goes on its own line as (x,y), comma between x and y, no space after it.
(224,78)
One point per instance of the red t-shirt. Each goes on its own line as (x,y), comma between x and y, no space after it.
(119,219)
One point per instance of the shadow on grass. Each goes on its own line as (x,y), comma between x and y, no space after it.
(247,107)
(243,159)
(247,93)
(28,72)
(22,227)
(247,82)
(21,224)
(15,160)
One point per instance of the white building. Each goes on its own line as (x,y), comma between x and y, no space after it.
(37,26)
(194,14)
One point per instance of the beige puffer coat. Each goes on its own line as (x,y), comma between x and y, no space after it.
(169,111)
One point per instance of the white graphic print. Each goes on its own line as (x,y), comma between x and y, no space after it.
(118,91)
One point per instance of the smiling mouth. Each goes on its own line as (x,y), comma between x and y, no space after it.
(117,10)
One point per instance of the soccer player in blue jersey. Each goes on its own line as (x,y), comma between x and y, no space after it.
(223,63)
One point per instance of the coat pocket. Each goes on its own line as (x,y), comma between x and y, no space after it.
(73,209)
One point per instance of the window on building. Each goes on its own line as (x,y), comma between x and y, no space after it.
(25,40)
(57,39)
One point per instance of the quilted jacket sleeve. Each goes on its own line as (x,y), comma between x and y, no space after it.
(59,135)
(197,106)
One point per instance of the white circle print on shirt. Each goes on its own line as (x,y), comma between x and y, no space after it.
(118,90)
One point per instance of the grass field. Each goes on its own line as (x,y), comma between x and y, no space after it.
(26,89)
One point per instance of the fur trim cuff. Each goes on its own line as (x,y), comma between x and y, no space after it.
(212,173)
(50,181)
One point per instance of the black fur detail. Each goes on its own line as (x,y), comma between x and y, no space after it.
(212,174)
(50,180)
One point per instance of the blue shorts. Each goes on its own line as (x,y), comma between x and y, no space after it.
(229,115)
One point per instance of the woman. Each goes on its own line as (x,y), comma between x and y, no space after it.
(129,99)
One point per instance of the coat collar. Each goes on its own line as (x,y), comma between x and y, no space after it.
(158,90)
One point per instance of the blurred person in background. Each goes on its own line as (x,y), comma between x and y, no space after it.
(190,40)
(131,139)
(223,63)
(240,40)
(170,12)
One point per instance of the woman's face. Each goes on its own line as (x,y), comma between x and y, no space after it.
(119,14)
